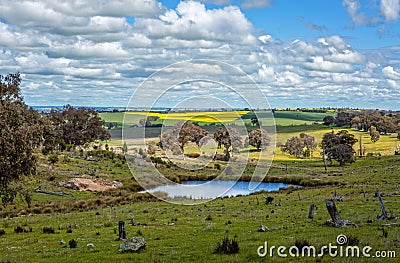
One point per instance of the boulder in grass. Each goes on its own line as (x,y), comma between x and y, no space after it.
(133,244)
(263,228)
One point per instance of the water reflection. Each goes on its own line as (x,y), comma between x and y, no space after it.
(213,189)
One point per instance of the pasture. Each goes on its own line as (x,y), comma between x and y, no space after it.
(282,118)
(190,233)
(179,233)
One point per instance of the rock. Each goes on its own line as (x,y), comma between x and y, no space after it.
(263,228)
(70,185)
(133,244)
(90,245)
(62,242)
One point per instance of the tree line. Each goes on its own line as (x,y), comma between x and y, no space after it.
(226,137)
(381,121)
(335,146)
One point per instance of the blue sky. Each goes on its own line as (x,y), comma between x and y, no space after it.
(338,53)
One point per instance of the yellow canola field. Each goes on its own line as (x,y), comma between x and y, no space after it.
(204,116)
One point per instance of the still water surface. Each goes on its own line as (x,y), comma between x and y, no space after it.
(213,189)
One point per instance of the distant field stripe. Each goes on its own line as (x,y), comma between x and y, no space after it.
(206,116)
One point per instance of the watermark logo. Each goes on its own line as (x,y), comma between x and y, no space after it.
(172,101)
(340,249)
(341,240)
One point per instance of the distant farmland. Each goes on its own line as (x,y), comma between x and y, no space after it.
(282,118)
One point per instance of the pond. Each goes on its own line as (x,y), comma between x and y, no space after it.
(214,189)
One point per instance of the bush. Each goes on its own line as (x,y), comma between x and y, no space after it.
(48,230)
(72,243)
(45,151)
(157,160)
(352,240)
(2,232)
(300,243)
(19,229)
(227,246)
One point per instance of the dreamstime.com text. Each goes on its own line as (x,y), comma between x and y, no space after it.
(339,249)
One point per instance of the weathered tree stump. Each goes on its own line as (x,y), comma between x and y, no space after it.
(384,215)
(334,213)
(311,212)
(336,220)
(121,230)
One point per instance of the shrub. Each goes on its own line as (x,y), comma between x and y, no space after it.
(2,232)
(72,243)
(19,229)
(48,230)
(227,246)
(157,160)
(352,240)
(53,158)
(45,151)
(300,243)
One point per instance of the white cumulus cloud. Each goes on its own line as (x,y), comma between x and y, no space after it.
(390,9)
(391,73)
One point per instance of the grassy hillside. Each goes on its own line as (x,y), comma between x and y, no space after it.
(178,233)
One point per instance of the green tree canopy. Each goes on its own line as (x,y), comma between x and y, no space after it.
(300,146)
(183,132)
(375,135)
(339,146)
(228,137)
(77,125)
(259,138)
(21,132)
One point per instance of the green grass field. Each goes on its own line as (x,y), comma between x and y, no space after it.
(178,233)
(282,118)
(182,233)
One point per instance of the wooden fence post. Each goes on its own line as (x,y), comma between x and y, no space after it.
(121,230)
(311,212)
(324,159)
